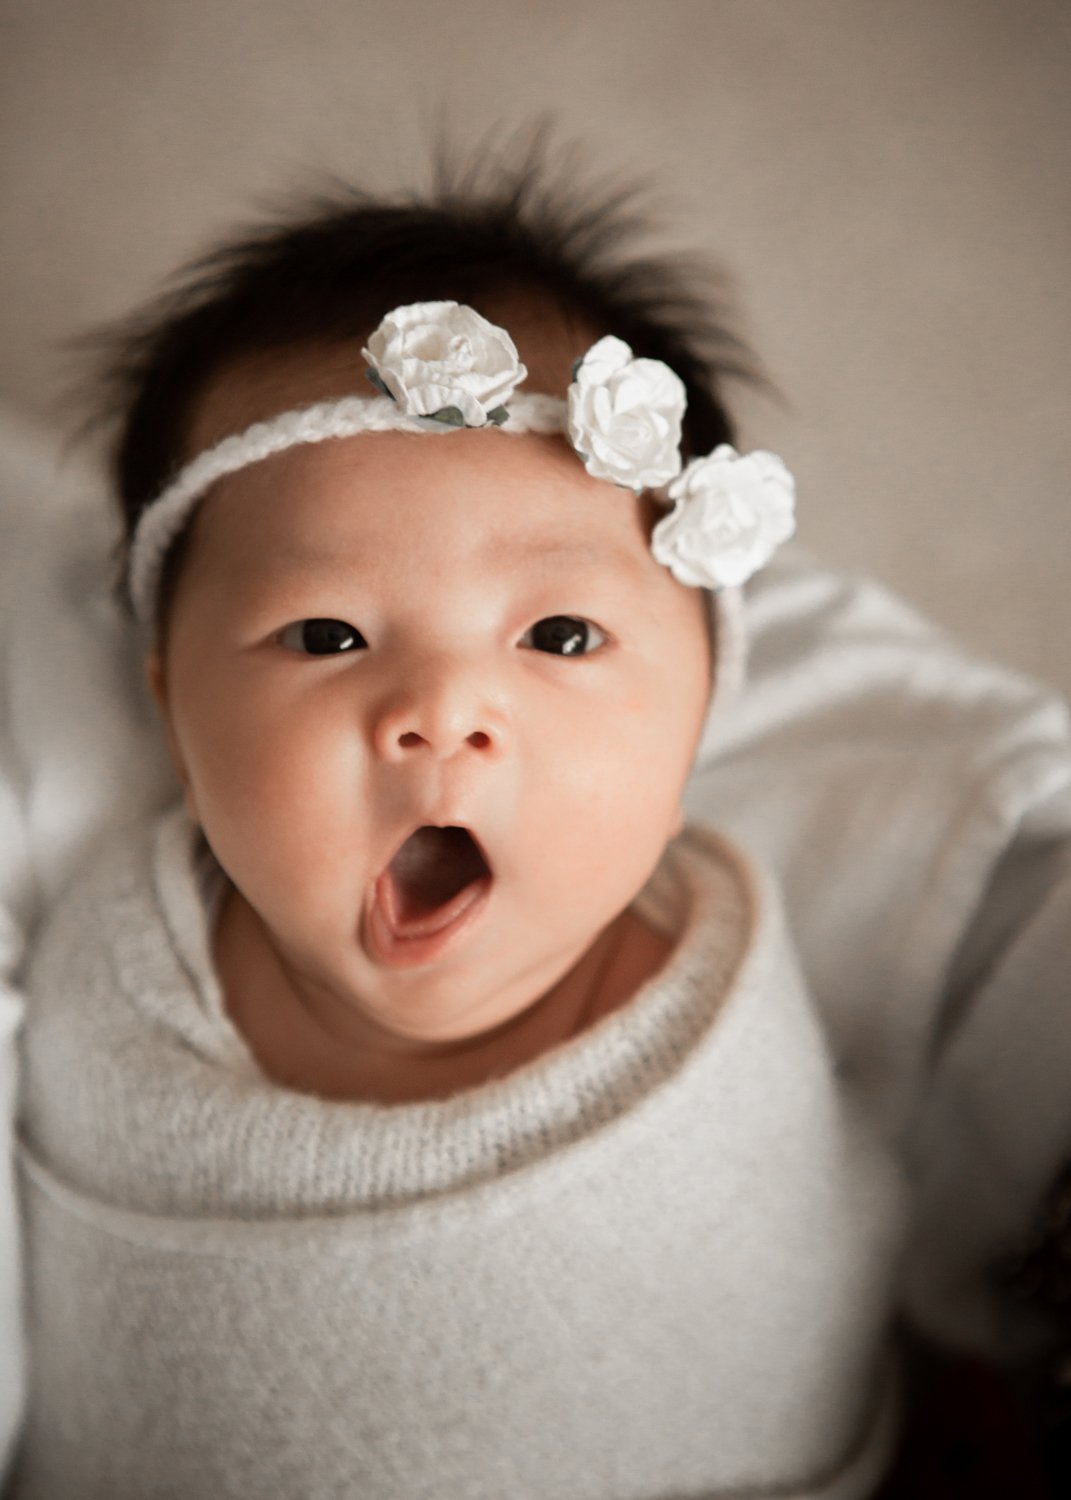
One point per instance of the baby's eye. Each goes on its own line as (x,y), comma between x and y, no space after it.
(322,637)
(563,635)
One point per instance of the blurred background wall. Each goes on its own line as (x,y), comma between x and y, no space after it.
(888,180)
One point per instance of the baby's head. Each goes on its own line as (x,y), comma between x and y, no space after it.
(432,697)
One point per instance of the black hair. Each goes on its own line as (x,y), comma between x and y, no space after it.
(327,268)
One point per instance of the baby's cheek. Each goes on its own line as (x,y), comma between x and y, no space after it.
(254,790)
(614,820)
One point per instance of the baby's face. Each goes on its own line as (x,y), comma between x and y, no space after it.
(380,638)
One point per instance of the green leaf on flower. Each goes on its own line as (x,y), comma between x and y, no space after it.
(449,416)
(498,415)
(373,376)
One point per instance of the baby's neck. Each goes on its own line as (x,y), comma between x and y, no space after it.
(296,1045)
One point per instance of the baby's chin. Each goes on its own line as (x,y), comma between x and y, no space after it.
(347,1028)
(459,1005)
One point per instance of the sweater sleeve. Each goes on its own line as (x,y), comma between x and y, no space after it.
(77,750)
(17,465)
(995,1127)
(916,804)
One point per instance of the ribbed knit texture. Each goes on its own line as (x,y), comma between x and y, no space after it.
(654,1262)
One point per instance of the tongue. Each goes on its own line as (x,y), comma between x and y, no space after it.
(431,868)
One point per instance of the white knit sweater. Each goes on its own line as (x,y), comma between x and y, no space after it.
(655,1262)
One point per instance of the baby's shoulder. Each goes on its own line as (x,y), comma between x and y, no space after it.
(107,944)
(722,895)
(109,891)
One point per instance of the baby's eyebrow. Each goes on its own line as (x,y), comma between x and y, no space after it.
(503,552)
(290,558)
(559,551)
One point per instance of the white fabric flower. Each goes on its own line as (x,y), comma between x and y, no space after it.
(442,358)
(625,416)
(732,512)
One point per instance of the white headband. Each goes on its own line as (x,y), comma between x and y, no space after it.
(440,366)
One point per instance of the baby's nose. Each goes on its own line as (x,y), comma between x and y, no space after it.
(442,711)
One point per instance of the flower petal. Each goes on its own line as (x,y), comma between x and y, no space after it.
(433,356)
(625,414)
(731,513)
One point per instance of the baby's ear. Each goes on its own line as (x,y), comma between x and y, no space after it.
(156,677)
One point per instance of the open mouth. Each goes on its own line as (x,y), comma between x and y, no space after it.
(428,893)
(431,868)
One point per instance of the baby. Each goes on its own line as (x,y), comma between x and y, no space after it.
(420,1108)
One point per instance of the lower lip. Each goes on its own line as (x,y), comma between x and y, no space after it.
(429,938)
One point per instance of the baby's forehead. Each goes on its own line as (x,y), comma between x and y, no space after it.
(443,532)
(503,500)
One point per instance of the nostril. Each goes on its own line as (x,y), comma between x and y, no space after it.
(412,739)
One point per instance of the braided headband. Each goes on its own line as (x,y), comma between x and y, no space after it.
(439,366)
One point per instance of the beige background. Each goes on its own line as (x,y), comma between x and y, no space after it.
(890,181)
